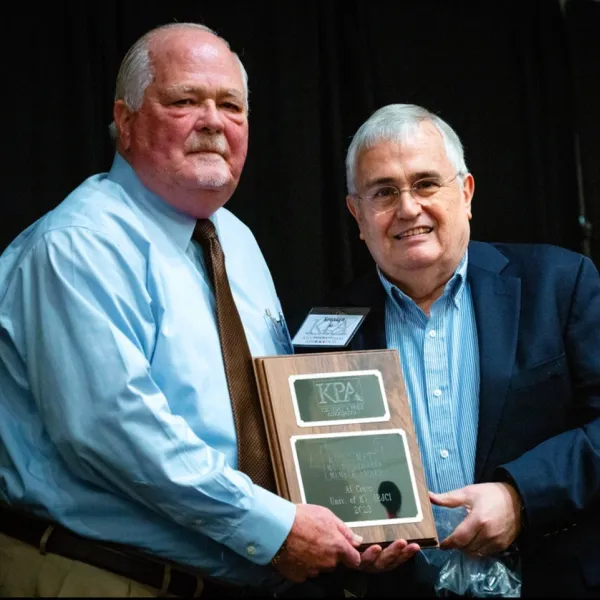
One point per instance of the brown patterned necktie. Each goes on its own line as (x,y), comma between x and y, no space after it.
(252,445)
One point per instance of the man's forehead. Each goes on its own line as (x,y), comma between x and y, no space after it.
(193,48)
(423,148)
(202,67)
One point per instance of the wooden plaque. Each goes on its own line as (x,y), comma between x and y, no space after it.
(341,435)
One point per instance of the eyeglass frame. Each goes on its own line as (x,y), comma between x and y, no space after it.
(444,183)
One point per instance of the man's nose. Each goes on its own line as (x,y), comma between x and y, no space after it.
(209,119)
(407,207)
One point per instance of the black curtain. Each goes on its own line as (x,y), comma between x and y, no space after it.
(517,79)
(583,20)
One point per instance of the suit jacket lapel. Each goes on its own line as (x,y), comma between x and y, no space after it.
(496,301)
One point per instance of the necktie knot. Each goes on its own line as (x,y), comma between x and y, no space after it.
(204,231)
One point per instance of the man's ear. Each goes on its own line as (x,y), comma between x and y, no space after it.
(468,191)
(352,204)
(123,117)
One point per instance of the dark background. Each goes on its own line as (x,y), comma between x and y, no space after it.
(519,80)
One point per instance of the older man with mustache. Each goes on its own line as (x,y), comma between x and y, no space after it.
(133,456)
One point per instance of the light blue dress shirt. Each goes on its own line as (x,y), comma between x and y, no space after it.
(439,354)
(115,418)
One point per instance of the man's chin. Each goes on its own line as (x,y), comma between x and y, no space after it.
(413,261)
(213,179)
(214,183)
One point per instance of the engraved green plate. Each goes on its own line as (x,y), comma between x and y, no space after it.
(339,398)
(365,478)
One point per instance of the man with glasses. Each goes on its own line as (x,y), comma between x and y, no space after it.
(500,351)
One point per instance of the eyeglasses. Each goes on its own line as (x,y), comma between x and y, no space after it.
(384,197)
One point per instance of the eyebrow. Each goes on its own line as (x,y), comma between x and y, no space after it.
(190,89)
(380,181)
(426,174)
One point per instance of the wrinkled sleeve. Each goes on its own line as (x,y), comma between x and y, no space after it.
(89,335)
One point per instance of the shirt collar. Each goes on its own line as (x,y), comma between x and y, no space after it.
(453,289)
(177,225)
(456,285)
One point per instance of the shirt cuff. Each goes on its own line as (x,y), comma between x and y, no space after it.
(265,527)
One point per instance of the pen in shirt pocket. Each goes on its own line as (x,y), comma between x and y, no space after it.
(270,315)
(279,327)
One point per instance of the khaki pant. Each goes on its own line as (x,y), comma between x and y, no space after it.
(25,572)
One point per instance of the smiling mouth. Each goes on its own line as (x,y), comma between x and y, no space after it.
(413,232)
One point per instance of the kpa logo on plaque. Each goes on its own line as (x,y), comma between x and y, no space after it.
(340,397)
(341,391)
(351,397)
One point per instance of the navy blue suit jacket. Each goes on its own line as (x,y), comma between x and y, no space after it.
(537,309)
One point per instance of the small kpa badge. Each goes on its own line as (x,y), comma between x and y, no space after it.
(329,327)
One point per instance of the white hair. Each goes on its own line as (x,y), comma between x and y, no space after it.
(396,123)
(137,71)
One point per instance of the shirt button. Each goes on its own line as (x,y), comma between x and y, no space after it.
(437,393)
(444,453)
(251,550)
(432,333)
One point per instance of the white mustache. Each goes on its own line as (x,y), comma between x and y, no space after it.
(216,144)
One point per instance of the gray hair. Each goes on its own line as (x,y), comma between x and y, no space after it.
(396,123)
(137,71)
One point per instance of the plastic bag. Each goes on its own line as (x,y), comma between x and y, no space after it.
(496,576)
(477,576)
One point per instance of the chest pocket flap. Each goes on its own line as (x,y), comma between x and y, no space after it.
(541,372)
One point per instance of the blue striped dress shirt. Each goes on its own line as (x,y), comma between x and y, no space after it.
(440,363)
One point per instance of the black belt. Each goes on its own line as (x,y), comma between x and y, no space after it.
(53,538)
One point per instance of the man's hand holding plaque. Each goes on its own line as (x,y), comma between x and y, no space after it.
(318,541)
(376,559)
